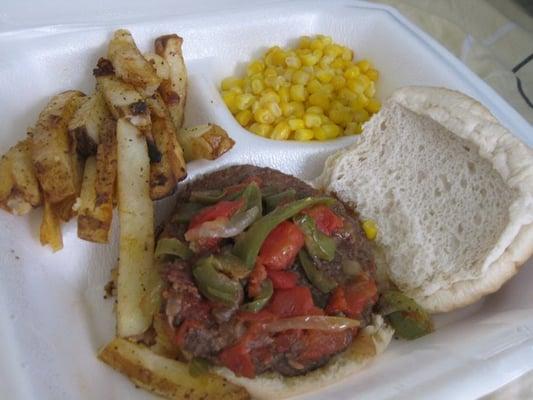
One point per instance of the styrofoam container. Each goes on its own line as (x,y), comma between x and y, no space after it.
(53,316)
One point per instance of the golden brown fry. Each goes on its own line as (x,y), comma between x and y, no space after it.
(167,165)
(173,90)
(65,208)
(130,65)
(166,377)
(207,141)
(86,124)
(96,201)
(123,100)
(160,65)
(50,233)
(19,189)
(138,280)
(56,165)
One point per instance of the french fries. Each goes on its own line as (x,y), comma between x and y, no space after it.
(207,141)
(19,189)
(169,166)
(138,280)
(96,200)
(130,65)
(50,233)
(86,123)
(174,89)
(56,166)
(166,377)
(160,65)
(123,100)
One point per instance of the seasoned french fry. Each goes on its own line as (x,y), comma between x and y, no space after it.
(207,141)
(50,233)
(130,65)
(160,65)
(56,164)
(138,280)
(19,189)
(123,100)
(166,377)
(65,208)
(96,200)
(86,123)
(173,90)
(167,167)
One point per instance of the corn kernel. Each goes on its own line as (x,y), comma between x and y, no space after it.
(264,116)
(325,120)
(257,86)
(346,94)
(314,86)
(256,106)
(347,54)
(229,99)
(352,72)
(298,93)
(296,123)
(281,131)
(360,116)
(370,91)
(231,82)
(300,77)
(255,67)
(244,101)
(332,50)
(353,128)
(372,74)
(356,85)
(327,89)
(338,82)
(299,109)
(293,62)
(337,63)
(244,117)
(312,120)
(274,109)
(373,106)
(364,65)
(320,100)
(304,42)
(314,110)
(324,76)
(363,100)
(284,95)
(260,129)
(327,131)
(370,228)
(270,72)
(309,59)
(325,39)
(326,61)
(316,44)
(303,134)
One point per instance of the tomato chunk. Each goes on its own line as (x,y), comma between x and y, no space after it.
(282,279)
(281,246)
(317,344)
(292,302)
(237,358)
(326,220)
(352,298)
(221,209)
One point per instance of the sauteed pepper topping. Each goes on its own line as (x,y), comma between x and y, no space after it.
(318,279)
(317,243)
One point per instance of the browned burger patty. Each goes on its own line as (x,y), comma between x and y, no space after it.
(229,336)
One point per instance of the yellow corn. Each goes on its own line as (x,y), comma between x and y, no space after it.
(244,117)
(296,123)
(281,131)
(312,120)
(303,134)
(370,228)
(314,91)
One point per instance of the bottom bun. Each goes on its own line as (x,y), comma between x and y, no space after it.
(370,342)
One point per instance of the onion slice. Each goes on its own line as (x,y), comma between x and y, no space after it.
(317,322)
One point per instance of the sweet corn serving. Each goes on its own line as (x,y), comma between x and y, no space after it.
(314,91)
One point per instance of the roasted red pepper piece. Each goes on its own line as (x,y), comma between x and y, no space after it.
(282,279)
(352,298)
(326,220)
(281,246)
(292,302)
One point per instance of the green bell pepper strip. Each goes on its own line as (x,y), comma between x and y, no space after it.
(317,243)
(262,298)
(229,265)
(274,200)
(248,245)
(215,285)
(207,196)
(186,211)
(409,320)
(172,247)
(252,195)
(317,277)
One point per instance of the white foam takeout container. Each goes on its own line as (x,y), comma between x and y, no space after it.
(53,317)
